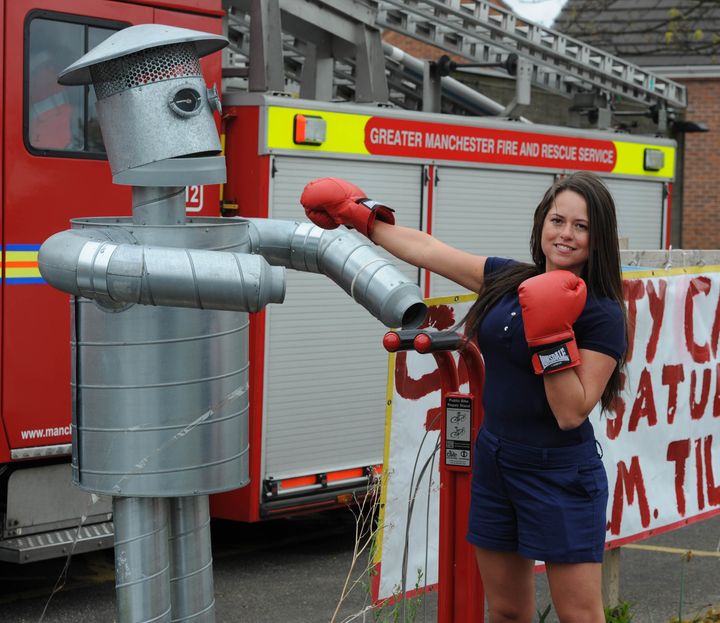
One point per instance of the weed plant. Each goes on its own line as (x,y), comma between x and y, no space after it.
(619,614)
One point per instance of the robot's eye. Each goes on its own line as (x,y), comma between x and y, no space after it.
(186,102)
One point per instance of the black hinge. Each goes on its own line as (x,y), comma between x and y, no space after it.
(270,488)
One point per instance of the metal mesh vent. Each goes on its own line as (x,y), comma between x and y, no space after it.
(145,67)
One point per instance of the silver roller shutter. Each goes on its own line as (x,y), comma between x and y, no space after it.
(639,205)
(485,212)
(326,370)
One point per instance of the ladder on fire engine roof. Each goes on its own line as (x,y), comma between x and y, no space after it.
(473,29)
(403,72)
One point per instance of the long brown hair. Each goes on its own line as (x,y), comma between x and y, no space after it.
(601,273)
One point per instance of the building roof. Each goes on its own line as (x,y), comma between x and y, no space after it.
(659,33)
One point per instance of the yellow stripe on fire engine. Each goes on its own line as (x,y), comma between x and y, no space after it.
(346,135)
(11,271)
(631,160)
(345,132)
(21,264)
(21,256)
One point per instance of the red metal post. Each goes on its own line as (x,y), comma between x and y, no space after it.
(448,520)
(469,595)
(460,593)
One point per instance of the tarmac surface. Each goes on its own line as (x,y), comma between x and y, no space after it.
(293,570)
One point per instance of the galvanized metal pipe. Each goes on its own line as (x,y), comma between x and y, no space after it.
(142,561)
(347,258)
(191,575)
(100,264)
(153,205)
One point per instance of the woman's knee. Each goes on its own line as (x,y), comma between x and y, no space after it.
(576,592)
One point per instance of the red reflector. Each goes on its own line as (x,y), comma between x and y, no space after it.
(346,474)
(391,342)
(302,481)
(422,343)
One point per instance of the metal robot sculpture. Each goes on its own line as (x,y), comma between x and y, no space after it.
(159,317)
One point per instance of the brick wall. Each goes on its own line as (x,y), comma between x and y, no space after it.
(418,49)
(701,193)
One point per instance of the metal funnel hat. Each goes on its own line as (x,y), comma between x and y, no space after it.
(135,39)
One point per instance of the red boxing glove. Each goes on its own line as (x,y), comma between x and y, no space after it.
(330,201)
(551,303)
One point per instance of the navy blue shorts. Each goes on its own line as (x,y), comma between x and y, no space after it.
(546,504)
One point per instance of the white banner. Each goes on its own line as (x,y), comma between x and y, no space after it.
(661,451)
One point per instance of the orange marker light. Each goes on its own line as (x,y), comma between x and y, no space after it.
(309,130)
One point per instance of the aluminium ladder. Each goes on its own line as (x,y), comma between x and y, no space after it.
(404,78)
(482,33)
(479,31)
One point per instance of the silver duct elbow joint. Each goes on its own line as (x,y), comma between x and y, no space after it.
(349,259)
(106,266)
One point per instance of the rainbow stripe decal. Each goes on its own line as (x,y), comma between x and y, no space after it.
(20,264)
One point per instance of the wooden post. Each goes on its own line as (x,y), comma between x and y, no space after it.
(611,578)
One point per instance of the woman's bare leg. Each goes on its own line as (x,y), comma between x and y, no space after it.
(576,590)
(509,585)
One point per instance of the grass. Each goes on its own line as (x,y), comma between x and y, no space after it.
(711,615)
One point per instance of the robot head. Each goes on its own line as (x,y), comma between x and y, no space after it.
(153,104)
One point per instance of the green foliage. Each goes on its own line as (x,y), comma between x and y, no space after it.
(619,614)
(399,609)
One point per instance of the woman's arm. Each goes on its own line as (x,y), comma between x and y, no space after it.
(422,250)
(574,392)
(331,201)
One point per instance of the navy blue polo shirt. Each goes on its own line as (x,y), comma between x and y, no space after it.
(516,407)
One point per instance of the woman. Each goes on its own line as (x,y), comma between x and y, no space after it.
(553,336)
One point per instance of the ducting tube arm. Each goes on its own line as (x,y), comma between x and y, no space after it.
(104,265)
(348,259)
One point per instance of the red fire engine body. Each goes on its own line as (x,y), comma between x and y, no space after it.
(54,169)
(314,437)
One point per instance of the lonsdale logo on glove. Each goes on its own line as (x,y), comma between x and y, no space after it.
(554,358)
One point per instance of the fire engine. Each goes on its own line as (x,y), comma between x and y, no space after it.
(317,368)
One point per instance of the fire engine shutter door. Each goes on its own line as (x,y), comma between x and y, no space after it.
(485,212)
(326,370)
(639,206)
